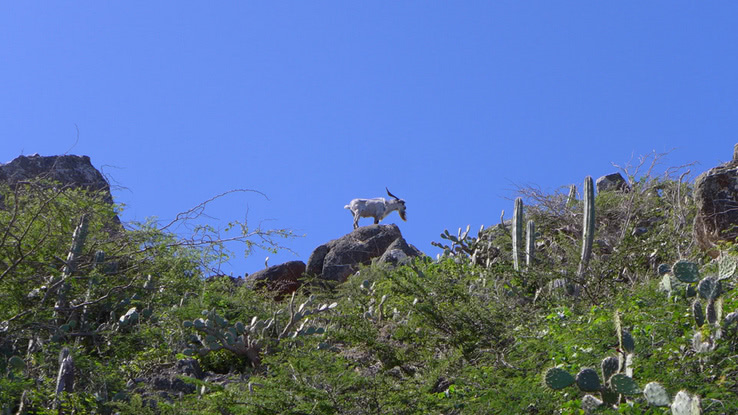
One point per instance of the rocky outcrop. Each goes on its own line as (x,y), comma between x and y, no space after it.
(73,171)
(399,252)
(613,181)
(716,196)
(282,279)
(341,257)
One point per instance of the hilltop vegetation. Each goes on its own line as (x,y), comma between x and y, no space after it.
(474,332)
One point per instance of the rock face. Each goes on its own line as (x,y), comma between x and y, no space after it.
(75,171)
(338,259)
(716,196)
(282,279)
(399,252)
(613,181)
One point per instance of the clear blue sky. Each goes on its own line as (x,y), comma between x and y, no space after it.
(314,103)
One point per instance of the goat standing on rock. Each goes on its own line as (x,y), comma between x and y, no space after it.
(377,208)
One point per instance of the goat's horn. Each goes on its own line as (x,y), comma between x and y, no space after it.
(388,192)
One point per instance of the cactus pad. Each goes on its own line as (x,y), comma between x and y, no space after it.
(684,404)
(610,366)
(714,311)
(588,381)
(609,396)
(628,343)
(624,385)
(726,266)
(590,404)
(557,378)
(656,394)
(709,288)
(686,271)
(699,315)
(663,269)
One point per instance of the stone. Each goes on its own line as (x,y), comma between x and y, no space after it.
(281,279)
(399,253)
(339,258)
(70,170)
(612,182)
(716,197)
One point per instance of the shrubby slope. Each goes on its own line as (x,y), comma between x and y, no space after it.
(472,332)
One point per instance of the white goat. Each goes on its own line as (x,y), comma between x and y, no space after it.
(377,208)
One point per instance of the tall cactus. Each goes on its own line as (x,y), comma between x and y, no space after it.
(517,232)
(588,227)
(530,243)
(70,267)
(572,198)
(65,378)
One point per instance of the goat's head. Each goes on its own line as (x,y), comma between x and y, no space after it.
(400,205)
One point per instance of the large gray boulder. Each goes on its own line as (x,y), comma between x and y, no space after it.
(73,171)
(716,196)
(339,258)
(612,182)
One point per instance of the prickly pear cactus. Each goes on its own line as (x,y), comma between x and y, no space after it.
(686,271)
(699,315)
(588,381)
(727,265)
(557,378)
(685,404)
(656,394)
(709,288)
(624,385)
(590,404)
(610,366)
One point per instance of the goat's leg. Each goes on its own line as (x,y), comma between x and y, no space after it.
(356,221)
(376,221)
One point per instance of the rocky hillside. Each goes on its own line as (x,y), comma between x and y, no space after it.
(618,296)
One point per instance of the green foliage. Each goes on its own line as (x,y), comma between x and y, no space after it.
(248,340)
(464,334)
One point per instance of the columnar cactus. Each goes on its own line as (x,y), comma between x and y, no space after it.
(530,243)
(65,378)
(572,198)
(78,240)
(517,232)
(588,227)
